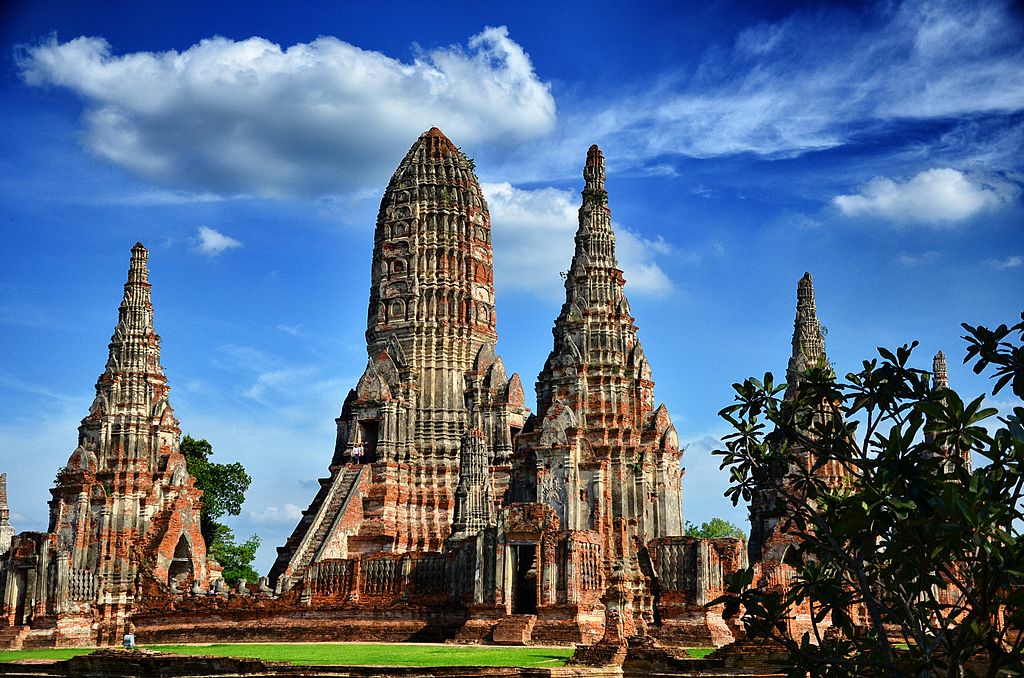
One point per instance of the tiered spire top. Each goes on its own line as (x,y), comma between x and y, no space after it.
(808,343)
(941,375)
(436,144)
(593,171)
(595,242)
(136,310)
(133,384)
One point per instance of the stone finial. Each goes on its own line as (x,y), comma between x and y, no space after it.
(941,376)
(808,343)
(593,171)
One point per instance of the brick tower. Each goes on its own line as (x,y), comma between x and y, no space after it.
(433,391)
(599,453)
(125,511)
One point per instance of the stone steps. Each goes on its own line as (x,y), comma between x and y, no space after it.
(516,629)
(337,501)
(13,637)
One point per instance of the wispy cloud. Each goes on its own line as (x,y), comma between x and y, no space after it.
(1012,261)
(533,242)
(250,117)
(275,515)
(212,242)
(939,197)
(919,259)
(813,81)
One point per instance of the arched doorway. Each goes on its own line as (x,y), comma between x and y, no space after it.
(180,572)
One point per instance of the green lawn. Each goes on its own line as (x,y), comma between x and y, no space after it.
(352,654)
(358,654)
(66,653)
(699,652)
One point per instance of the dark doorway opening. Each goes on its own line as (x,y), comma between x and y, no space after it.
(524,584)
(180,572)
(20,616)
(368,432)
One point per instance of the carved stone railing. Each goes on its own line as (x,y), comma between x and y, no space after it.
(81,585)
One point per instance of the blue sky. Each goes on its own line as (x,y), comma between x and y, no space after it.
(877,146)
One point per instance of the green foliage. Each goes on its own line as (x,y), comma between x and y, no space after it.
(469,160)
(914,560)
(235,558)
(223,485)
(598,196)
(714,529)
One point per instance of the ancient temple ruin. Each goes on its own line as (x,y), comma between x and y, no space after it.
(434,399)
(447,513)
(124,518)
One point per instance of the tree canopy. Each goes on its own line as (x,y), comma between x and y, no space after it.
(913,564)
(224,487)
(715,528)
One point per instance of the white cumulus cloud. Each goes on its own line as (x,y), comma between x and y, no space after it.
(940,196)
(212,242)
(251,117)
(533,234)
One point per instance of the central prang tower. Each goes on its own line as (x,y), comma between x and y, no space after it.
(434,395)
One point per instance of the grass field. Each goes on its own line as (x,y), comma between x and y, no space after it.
(357,654)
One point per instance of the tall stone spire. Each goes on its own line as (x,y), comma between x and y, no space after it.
(124,517)
(808,343)
(941,375)
(605,458)
(131,418)
(6,531)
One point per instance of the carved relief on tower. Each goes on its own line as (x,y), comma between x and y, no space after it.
(551,488)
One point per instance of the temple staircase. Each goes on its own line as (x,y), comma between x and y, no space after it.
(327,517)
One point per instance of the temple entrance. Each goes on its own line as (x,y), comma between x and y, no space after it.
(180,571)
(524,579)
(18,580)
(368,431)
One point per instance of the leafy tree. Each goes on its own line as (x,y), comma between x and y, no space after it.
(714,528)
(235,558)
(915,561)
(224,487)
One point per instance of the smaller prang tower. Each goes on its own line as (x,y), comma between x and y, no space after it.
(599,453)
(808,352)
(940,382)
(124,518)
